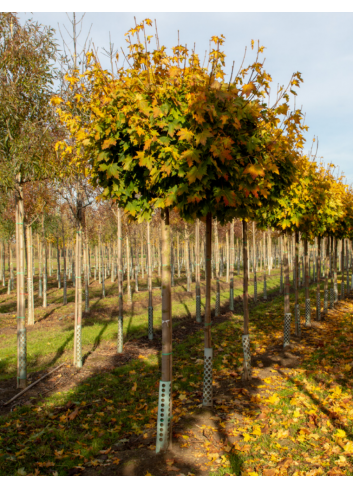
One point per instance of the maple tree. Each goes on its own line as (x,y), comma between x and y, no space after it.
(313,207)
(164,132)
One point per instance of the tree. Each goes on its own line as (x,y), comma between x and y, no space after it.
(164,133)
(27,129)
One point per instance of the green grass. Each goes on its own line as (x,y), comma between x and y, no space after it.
(48,346)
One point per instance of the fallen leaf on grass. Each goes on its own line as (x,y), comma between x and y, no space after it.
(73,415)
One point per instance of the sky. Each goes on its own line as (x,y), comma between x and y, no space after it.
(318,45)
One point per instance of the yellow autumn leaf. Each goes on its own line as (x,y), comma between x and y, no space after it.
(296,413)
(274,399)
(56,100)
(134,387)
(253,473)
(182,397)
(340,433)
(246,437)
(147,473)
(254,171)
(256,431)
(248,88)
(348,448)
(282,434)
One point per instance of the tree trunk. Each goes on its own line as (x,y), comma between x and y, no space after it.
(187,262)
(86,268)
(164,422)
(296,271)
(178,253)
(30,302)
(208,353)
(78,285)
(58,262)
(197,271)
(245,338)
(149,284)
(40,293)
(3,264)
(21,307)
(120,344)
(231,266)
(318,292)
(129,297)
(45,268)
(216,254)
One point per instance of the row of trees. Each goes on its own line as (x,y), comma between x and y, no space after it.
(163,134)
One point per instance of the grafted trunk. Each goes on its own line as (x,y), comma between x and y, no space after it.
(78,285)
(21,307)
(128,270)
(120,285)
(187,261)
(30,305)
(231,266)
(45,268)
(216,256)
(58,262)
(164,421)
(246,375)
(3,264)
(86,269)
(197,271)
(286,275)
(318,286)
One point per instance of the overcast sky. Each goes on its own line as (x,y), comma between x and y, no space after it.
(319,45)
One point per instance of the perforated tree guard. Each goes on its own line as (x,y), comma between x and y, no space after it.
(265,288)
(198,309)
(218,304)
(78,346)
(22,354)
(207,378)
(297,320)
(150,322)
(164,419)
(325,301)
(286,331)
(318,306)
(120,342)
(129,294)
(137,283)
(245,339)
(231,299)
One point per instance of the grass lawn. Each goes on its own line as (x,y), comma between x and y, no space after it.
(293,418)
